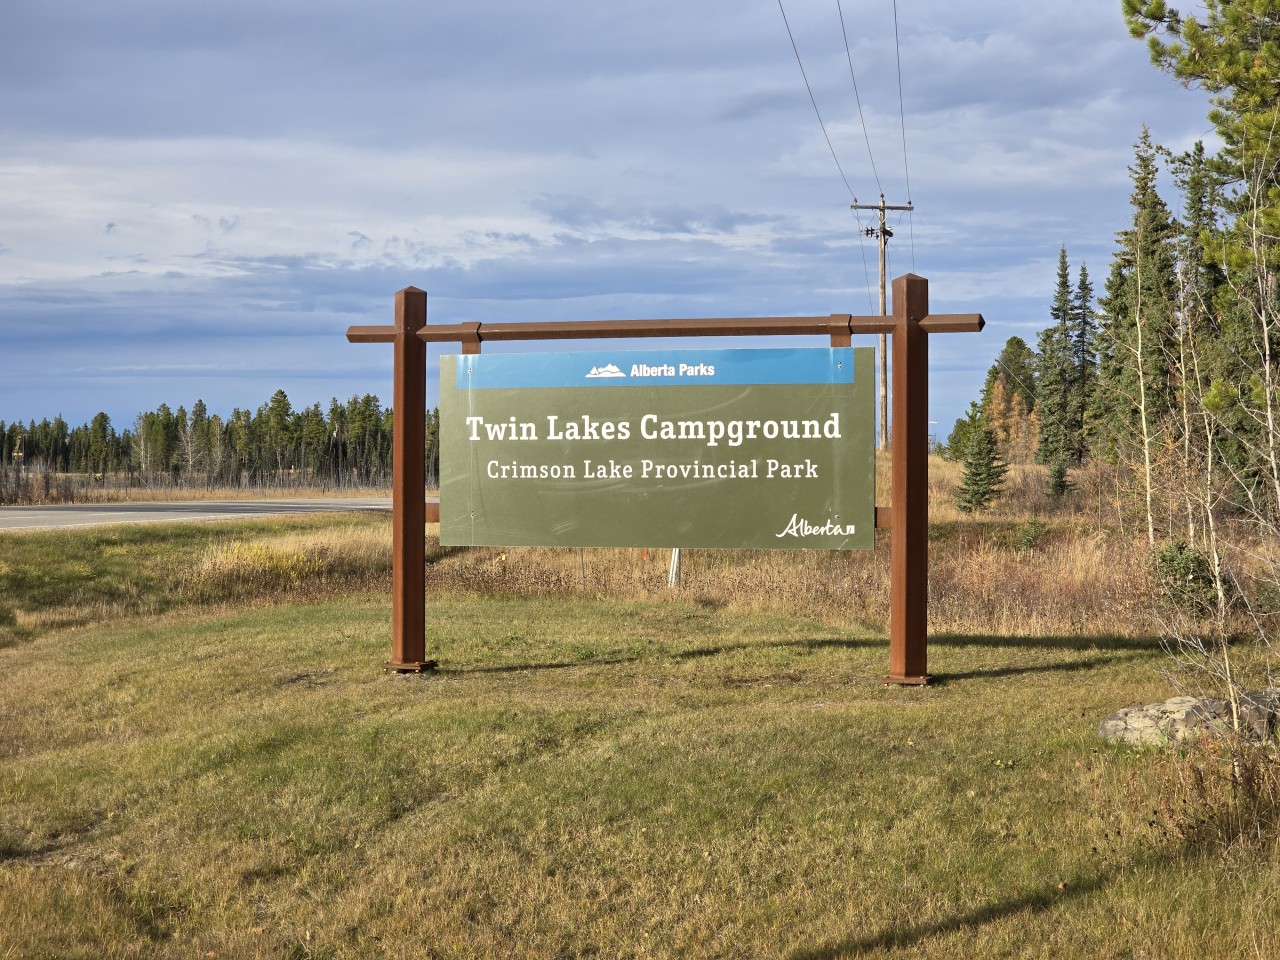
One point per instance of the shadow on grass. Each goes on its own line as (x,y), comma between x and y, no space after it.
(694,653)
(12,852)
(1137,649)
(908,934)
(838,643)
(942,678)
(533,667)
(436,553)
(1063,642)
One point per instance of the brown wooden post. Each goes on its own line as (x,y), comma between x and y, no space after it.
(408,487)
(909,600)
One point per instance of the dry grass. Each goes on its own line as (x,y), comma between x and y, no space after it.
(1219,797)
(587,779)
(982,581)
(1025,494)
(1032,566)
(198,756)
(1012,571)
(317,561)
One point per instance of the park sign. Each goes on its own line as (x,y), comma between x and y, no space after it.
(769,448)
(907,517)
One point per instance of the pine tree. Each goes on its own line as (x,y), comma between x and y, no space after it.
(984,470)
(1231,49)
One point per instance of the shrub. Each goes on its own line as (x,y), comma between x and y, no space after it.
(1030,534)
(1185,577)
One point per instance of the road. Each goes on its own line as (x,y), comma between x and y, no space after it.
(94,514)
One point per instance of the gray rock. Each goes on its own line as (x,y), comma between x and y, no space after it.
(1260,712)
(1185,718)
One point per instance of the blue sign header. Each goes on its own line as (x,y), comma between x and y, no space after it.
(649,368)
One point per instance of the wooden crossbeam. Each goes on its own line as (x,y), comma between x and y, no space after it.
(640,329)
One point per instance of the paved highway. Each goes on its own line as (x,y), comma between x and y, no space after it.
(94,514)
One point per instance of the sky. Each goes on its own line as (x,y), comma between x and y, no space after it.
(196,200)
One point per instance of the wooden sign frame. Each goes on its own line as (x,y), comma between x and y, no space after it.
(907,518)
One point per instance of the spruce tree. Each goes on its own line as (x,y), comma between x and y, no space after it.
(1134,393)
(1214,320)
(962,432)
(984,470)
(1084,334)
(1055,373)
(1059,483)
(1201,242)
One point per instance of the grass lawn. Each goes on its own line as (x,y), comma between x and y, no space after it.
(585,777)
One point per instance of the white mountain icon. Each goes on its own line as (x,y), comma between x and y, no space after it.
(608,370)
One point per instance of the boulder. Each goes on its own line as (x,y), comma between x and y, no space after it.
(1185,718)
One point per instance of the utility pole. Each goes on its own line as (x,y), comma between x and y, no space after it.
(882,234)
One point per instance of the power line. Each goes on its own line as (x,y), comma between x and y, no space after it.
(902,116)
(858,98)
(1013,376)
(812,100)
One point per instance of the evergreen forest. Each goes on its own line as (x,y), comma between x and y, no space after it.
(1170,372)
(347,446)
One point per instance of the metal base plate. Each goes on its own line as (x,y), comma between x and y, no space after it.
(919,681)
(412,666)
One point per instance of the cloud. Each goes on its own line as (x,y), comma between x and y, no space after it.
(586,214)
(269,173)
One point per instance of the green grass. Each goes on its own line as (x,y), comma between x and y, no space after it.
(583,778)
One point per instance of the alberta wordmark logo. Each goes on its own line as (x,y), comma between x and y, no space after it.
(797,527)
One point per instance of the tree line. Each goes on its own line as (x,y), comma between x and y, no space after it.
(1173,376)
(349,444)
(1174,370)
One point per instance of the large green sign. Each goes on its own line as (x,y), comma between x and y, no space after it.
(659,448)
